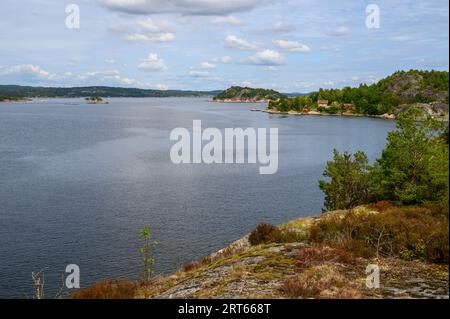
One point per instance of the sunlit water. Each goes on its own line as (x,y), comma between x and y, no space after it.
(78,181)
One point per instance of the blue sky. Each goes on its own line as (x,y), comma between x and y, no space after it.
(287,45)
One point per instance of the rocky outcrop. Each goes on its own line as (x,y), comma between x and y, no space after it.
(264,271)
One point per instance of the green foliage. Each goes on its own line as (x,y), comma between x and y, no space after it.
(245,93)
(147,251)
(349,184)
(383,97)
(94,99)
(9,98)
(413,168)
(406,232)
(297,103)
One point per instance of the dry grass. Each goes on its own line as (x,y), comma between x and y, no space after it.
(406,232)
(311,256)
(109,289)
(321,281)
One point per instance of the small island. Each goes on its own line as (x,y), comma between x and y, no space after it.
(4,98)
(237,94)
(95,100)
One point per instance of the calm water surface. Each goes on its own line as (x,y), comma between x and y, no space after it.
(78,181)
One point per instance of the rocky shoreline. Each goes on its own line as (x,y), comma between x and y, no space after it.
(382,116)
(240,101)
(241,270)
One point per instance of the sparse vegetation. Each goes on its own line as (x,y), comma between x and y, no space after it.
(148,251)
(109,289)
(403,232)
(267,233)
(94,99)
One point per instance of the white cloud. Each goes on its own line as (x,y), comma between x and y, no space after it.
(236,43)
(154,26)
(272,68)
(281,26)
(202,70)
(122,80)
(340,31)
(163,87)
(193,7)
(227,20)
(198,73)
(146,31)
(266,57)
(110,61)
(149,38)
(102,73)
(292,46)
(28,70)
(152,63)
(207,66)
(224,59)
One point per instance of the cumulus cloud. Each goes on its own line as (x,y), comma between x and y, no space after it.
(266,57)
(146,31)
(110,61)
(154,26)
(339,32)
(235,43)
(202,70)
(191,7)
(28,71)
(152,63)
(292,46)
(231,20)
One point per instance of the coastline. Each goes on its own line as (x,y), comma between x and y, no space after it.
(383,116)
(240,101)
(315,113)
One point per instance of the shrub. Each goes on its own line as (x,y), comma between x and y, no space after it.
(264,233)
(348,184)
(311,256)
(406,232)
(381,205)
(296,287)
(109,289)
(191,265)
(315,283)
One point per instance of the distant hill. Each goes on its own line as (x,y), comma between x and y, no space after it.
(17,91)
(246,94)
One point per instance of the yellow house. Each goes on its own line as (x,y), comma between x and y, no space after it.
(322,103)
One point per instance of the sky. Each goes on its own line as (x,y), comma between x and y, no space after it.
(286,45)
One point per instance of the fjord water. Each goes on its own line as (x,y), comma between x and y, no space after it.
(78,181)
